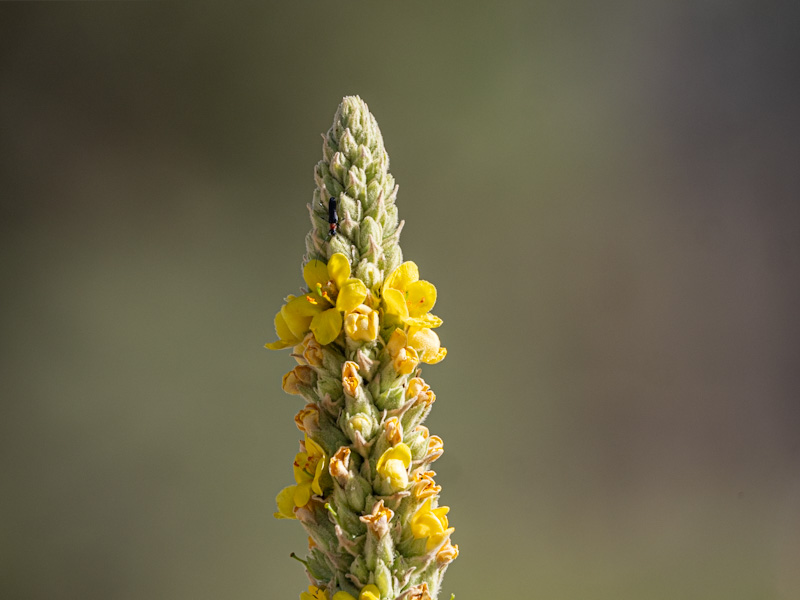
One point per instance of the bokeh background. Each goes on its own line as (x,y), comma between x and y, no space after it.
(605,194)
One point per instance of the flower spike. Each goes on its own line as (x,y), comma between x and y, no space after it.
(359,332)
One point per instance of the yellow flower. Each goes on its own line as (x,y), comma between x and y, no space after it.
(331,292)
(409,298)
(404,358)
(420,344)
(393,466)
(431,523)
(293,321)
(368,592)
(314,593)
(361,324)
(425,341)
(309,466)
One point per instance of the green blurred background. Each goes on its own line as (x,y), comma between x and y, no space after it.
(605,195)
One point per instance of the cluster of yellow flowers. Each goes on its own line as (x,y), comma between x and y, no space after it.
(359,332)
(395,318)
(336,301)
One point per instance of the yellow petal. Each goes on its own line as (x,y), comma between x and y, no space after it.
(425,341)
(440,514)
(405,361)
(362,324)
(282,329)
(343,596)
(426,525)
(297,325)
(429,320)
(314,593)
(400,452)
(370,592)
(317,474)
(339,269)
(302,494)
(402,276)
(313,449)
(438,357)
(300,468)
(395,303)
(297,314)
(315,272)
(397,341)
(420,296)
(285,502)
(326,326)
(279,345)
(306,305)
(351,294)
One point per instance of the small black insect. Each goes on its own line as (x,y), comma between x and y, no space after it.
(333,217)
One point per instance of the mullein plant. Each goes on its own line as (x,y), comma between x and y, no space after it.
(359,331)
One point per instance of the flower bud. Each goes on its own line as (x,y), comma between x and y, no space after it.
(364,157)
(299,376)
(393,430)
(350,378)
(383,579)
(397,341)
(339,166)
(378,519)
(417,388)
(392,469)
(339,466)
(425,341)
(418,441)
(313,351)
(435,448)
(361,324)
(419,592)
(447,554)
(424,486)
(307,420)
(347,143)
(370,274)
(405,361)
(362,424)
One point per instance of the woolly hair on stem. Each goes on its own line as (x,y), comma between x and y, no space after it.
(359,330)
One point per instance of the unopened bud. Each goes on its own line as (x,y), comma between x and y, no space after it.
(300,375)
(350,378)
(307,420)
(447,554)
